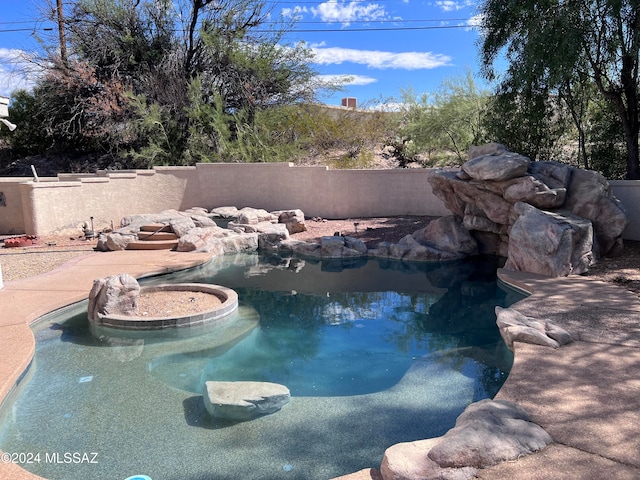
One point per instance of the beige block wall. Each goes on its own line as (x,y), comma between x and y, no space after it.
(628,192)
(11,209)
(318,191)
(62,207)
(63,204)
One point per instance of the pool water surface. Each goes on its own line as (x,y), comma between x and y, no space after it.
(374,353)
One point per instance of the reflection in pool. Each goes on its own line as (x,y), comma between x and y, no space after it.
(374,354)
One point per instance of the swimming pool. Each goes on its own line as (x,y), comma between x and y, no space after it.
(374,354)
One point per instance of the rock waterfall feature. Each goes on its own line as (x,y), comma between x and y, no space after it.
(545,217)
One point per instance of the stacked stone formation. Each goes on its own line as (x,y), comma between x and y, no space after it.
(545,217)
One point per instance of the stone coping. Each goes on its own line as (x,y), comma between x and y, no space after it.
(594,431)
(227,296)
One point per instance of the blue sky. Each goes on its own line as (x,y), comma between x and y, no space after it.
(383,46)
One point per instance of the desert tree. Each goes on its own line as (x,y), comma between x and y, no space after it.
(548,43)
(445,122)
(162,66)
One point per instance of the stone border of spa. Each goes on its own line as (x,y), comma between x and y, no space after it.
(227,296)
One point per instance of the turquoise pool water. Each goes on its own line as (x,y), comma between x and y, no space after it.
(374,354)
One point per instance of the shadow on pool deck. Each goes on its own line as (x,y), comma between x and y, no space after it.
(586,394)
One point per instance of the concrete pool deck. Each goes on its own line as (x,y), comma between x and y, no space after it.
(586,394)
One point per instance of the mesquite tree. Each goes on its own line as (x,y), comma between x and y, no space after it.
(550,43)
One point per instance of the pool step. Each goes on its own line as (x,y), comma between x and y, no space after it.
(152,245)
(156,227)
(148,236)
(154,236)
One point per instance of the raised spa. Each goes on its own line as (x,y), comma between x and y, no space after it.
(228,305)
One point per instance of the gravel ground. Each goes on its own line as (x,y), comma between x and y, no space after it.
(23,262)
(370,230)
(623,270)
(178,303)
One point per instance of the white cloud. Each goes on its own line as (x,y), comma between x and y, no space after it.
(346,79)
(379,59)
(295,12)
(451,5)
(334,11)
(17,71)
(474,22)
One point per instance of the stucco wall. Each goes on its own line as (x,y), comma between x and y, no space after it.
(318,191)
(11,206)
(628,192)
(63,204)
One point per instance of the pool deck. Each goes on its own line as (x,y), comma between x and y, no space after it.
(585,394)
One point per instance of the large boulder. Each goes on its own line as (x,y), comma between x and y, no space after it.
(589,196)
(497,167)
(114,295)
(252,216)
(271,234)
(181,225)
(240,243)
(489,432)
(534,192)
(342,246)
(549,243)
(443,239)
(201,240)
(443,186)
(244,400)
(218,241)
(492,148)
(517,327)
(457,194)
(409,249)
(300,247)
(116,241)
(134,221)
(555,175)
(196,211)
(353,243)
(201,220)
(197,215)
(224,212)
(293,219)
(447,234)
(547,217)
(410,461)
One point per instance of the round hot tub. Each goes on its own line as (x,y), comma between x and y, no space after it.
(178,316)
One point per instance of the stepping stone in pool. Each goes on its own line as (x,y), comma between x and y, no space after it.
(244,400)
